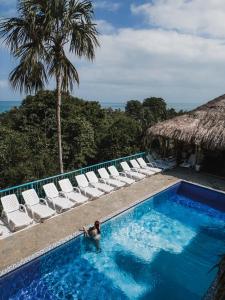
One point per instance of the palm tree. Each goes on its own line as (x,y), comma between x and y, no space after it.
(42,37)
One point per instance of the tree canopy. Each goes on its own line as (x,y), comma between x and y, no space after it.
(90,134)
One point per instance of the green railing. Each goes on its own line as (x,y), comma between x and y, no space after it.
(37,185)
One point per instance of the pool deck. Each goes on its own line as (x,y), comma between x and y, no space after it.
(18,246)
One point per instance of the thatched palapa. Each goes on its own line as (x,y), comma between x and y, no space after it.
(203,126)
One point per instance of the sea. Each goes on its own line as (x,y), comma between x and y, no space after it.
(7,105)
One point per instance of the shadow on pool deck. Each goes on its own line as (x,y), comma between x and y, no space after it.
(27,242)
(199,178)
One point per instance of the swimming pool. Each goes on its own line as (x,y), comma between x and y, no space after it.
(163,248)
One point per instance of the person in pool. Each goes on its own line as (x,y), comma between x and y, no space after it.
(94,233)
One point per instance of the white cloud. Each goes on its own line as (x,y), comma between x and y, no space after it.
(140,63)
(106,5)
(201,17)
(105,27)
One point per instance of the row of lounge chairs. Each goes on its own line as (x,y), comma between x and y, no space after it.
(89,187)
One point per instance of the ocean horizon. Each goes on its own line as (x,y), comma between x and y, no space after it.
(7,105)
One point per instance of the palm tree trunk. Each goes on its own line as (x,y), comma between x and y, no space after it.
(58,119)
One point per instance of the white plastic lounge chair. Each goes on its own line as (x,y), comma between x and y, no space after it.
(55,199)
(106,177)
(72,193)
(95,182)
(14,214)
(144,171)
(37,207)
(148,166)
(120,175)
(131,172)
(85,187)
(159,163)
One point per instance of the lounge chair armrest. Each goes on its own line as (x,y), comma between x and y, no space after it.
(103,180)
(4,215)
(123,174)
(150,164)
(63,194)
(43,201)
(23,208)
(135,169)
(51,202)
(29,209)
(77,189)
(84,191)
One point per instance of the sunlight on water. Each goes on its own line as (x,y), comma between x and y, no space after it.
(143,239)
(153,233)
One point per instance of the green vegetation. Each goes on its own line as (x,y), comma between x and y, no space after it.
(42,37)
(90,134)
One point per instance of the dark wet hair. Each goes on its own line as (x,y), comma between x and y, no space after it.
(97,224)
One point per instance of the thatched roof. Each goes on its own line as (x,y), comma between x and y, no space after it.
(204,126)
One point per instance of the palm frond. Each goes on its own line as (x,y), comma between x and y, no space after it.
(41,37)
(28,77)
(70,75)
(84,40)
(61,65)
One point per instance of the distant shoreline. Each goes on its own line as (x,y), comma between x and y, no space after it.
(7,105)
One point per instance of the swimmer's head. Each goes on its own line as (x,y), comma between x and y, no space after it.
(97,224)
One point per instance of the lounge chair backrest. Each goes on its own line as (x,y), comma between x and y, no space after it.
(113,171)
(66,185)
(103,173)
(92,177)
(141,162)
(125,166)
(51,190)
(82,180)
(30,197)
(134,163)
(10,203)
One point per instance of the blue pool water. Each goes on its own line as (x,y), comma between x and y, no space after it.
(164,248)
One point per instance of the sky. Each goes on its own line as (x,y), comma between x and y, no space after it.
(174,49)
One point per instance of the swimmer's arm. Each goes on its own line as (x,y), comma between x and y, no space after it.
(85,231)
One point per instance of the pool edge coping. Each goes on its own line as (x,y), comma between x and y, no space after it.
(68,238)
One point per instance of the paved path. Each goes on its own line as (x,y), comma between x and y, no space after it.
(26,242)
